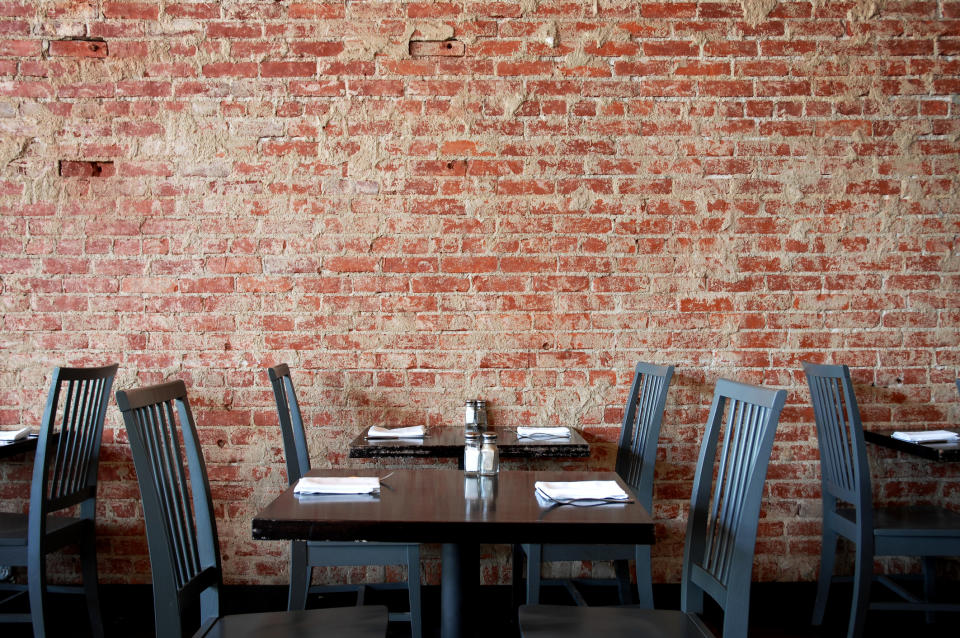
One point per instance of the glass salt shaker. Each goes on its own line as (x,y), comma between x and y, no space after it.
(471,453)
(470,416)
(489,455)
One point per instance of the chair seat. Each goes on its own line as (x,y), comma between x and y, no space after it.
(355,622)
(13,527)
(554,553)
(548,621)
(920,520)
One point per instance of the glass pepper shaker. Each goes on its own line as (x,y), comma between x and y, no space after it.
(481,415)
(471,453)
(489,455)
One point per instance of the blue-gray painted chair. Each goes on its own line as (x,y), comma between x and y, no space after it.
(848,508)
(304,556)
(64,477)
(636,455)
(721,531)
(958,385)
(182,532)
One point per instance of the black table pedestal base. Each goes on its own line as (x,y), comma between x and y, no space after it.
(459,587)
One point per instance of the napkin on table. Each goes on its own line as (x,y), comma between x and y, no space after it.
(566,491)
(543,432)
(9,436)
(337,485)
(930,436)
(413,431)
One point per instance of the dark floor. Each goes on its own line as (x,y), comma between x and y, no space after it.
(778,610)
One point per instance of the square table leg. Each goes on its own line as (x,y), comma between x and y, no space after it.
(458,589)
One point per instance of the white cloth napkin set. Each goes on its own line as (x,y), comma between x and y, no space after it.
(337,485)
(930,436)
(580,492)
(412,432)
(531,432)
(9,436)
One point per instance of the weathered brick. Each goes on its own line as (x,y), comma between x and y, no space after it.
(79,48)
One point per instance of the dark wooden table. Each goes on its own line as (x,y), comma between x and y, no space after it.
(447,442)
(442,506)
(18,447)
(933,451)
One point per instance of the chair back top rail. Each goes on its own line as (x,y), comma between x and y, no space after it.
(68,446)
(291,423)
(177,507)
(726,499)
(640,432)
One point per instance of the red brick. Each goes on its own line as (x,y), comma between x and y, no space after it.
(287,69)
(79,48)
(131,10)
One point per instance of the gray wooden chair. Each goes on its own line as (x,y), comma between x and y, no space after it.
(182,532)
(64,478)
(721,531)
(304,556)
(636,454)
(848,507)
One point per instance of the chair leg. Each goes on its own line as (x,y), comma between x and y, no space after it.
(622,569)
(37,587)
(88,557)
(516,584)
(413,584)
(534,555)
(644,577)
(299,576)
(930,584)
(828,555)
(862,579)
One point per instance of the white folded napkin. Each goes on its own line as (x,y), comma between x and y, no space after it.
(9,436)
(930,436)
(570,491)
(337,485)
(411,432)
(543,432)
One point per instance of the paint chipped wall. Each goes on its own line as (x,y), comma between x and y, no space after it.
(731,187)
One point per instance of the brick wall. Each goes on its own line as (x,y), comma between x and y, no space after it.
(416,203)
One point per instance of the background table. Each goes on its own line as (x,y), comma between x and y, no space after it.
(933,451)
(447,442)
(442,506)
(18,447)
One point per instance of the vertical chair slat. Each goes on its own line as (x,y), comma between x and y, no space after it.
(75,474)
(63,442)
(730,486)
(179,500)
(187,522)
(73,449)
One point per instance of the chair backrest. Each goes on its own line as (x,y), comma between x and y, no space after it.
(844,468)
(725,505)
(640,432)
(291,423)
(68,447)
(184,551)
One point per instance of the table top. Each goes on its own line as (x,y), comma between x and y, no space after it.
(443,506)
(933,451)
(18,447)
(447,442)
